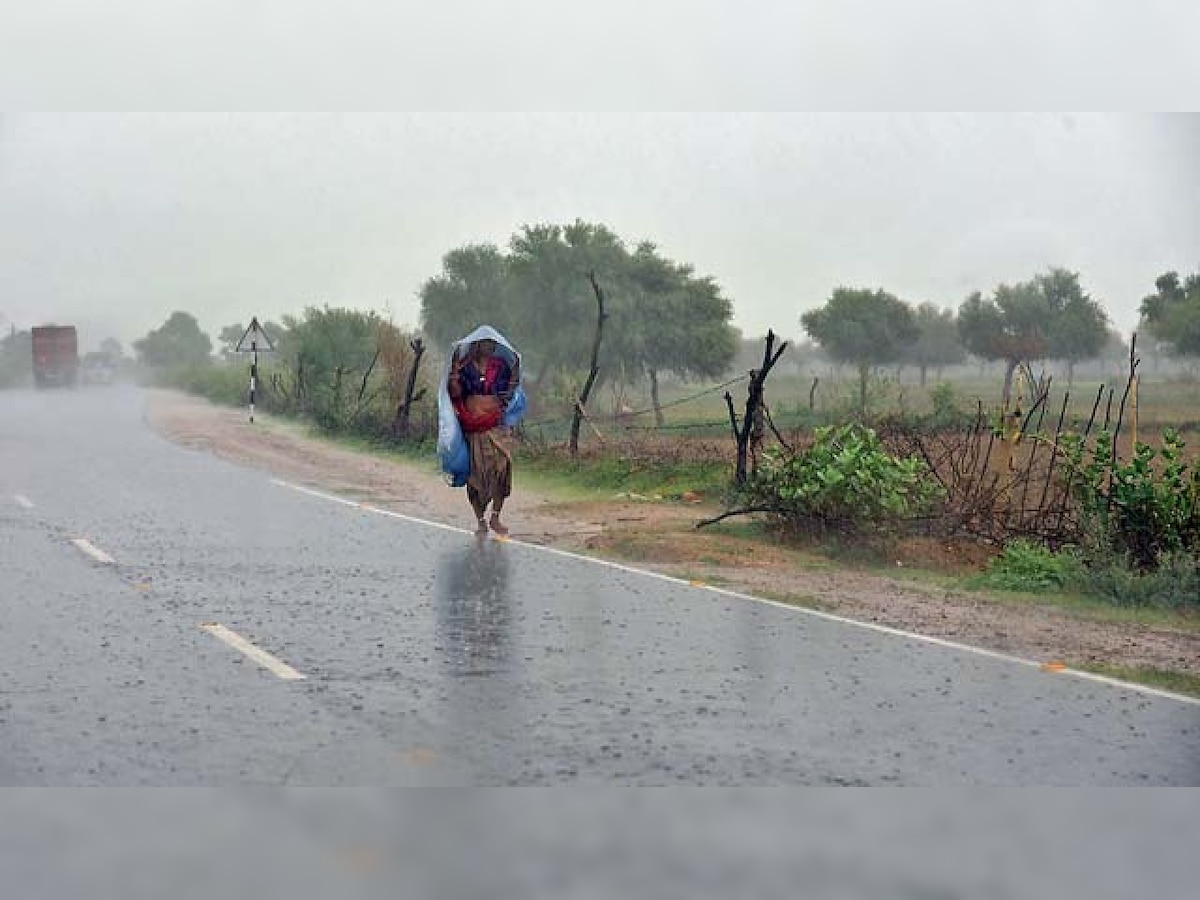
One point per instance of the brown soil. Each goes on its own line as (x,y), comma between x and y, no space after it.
(662,537)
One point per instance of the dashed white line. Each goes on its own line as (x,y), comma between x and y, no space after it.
(830,617)
(93,551)
(23,501)
(273,665)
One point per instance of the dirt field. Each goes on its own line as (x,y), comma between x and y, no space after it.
(662,537)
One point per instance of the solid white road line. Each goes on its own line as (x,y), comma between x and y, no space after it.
(275,666)
(799,610)
(23,501)
(93,551)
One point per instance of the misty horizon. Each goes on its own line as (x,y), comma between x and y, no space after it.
(113,221)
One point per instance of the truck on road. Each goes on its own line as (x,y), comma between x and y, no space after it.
(55,356)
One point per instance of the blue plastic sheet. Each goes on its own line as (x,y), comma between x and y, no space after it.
(453,454)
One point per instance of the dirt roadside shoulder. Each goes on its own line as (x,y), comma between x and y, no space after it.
(661,537)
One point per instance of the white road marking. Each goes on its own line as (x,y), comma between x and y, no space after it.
(93,551)
(262,657)
(372,509)
(23,501)
(815,613)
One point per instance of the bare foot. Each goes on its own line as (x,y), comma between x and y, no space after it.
(498,526)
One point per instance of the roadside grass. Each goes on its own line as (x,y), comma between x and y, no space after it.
(1178,682)
(607,476)
(1087,608)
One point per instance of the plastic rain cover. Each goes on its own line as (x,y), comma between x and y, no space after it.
(452,451)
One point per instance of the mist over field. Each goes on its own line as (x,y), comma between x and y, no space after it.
(112,221)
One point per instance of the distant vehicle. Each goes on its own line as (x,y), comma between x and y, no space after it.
(55,356)
(99,368)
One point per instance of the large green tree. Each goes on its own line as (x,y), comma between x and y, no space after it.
(937,343)
(661,317)
(1048,317)
(177,342)
(1079,329)
(675,322)
(331,354)
(864,328)
(472,288)
(554,301)
(1172,313)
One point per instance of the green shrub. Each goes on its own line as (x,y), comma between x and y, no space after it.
(1138,509)
(947,414)
(1030,567)
(846,479)
(1174,584)
(224,384)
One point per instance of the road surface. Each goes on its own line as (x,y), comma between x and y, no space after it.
(167,618)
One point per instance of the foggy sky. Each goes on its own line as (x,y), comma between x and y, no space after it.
(113,221)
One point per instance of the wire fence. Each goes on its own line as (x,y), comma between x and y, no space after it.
(549,426)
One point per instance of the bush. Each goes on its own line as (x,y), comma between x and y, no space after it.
(228,385)
(847,480)
(1175,584)
(946,414)
(1029,567)
(1140,509)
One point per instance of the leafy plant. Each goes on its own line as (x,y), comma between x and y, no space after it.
(1138,508)
(846,479)
(1030,567)
(1174,584)
(946,414)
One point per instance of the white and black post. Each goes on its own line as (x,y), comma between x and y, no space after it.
(254,339)
(253,376)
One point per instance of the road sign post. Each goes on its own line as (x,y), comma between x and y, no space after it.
(254,340)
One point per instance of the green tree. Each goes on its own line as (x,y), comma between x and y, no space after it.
(1079,329)
(863,327)
(662,317)
(1172,313)
(332,354)
(1048,317)
(227,340)
(473,288)
(937,343)
(178,342)
(554,301)
(676,323)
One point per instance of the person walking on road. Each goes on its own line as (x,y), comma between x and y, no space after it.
(480,386)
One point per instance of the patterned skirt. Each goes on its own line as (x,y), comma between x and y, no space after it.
(491,468)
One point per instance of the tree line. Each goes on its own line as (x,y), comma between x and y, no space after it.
(1048,317)
(663,318)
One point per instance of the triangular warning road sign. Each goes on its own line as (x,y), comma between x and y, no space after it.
(255,339)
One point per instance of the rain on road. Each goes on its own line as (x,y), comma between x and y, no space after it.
(169,618)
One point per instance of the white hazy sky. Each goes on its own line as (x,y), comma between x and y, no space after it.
(115,220)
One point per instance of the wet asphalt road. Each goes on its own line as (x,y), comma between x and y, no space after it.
(430,657)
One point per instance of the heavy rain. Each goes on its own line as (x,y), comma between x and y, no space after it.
(590,449)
